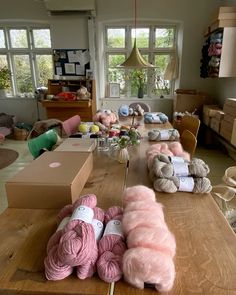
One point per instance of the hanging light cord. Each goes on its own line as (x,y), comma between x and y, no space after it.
(135,18)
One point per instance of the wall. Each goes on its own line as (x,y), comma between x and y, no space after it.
(69,32)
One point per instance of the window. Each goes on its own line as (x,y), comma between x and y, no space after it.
(157,44)
(26,51)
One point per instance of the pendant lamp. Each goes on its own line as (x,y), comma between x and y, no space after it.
(135,60)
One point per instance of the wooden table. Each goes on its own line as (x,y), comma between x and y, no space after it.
(206,245)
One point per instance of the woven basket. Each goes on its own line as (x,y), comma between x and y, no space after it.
(20,134)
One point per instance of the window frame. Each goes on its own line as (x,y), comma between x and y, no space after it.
(30,51)
(151,51)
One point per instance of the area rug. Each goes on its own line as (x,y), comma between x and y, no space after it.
(7,157)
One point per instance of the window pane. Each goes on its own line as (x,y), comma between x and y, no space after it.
(117,76)
(116,38)
(18,38)
(142,37)
(42,38)
(23,74)
(162,86)
(164,37)
(44,68)
(115,59)
(3,61)
(2,39)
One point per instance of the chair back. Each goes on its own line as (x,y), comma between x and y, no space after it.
(190,123)
(188,141)
(143,105)
(70,126)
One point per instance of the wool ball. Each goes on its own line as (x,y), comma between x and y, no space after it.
(83,127)
(94,129)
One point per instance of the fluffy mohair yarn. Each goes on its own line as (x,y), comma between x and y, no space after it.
(88,269)
(171,185)
(111,248)
(151,246)
(138,193)
(156,134)
(164,168)
(54,268)
(77,245)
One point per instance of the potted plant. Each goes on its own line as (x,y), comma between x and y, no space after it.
(5,80)
(139,79)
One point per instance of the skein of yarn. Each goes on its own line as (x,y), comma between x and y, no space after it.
(164,167)
(89,268)
(77,245)
(163,134)
(189,184)
(111,247)
(54,268)
(151,246)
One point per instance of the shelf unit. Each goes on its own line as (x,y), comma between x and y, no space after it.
(63,110)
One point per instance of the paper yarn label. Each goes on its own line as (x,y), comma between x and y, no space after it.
(175,159)
(180,169)
(63,223)
(83,213)
(165,134)
(98,228)
(114,227)
(186,184)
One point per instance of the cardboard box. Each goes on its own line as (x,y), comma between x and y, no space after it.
(77,145)
(226,129)
(233,137)
(224,9)
(191,102)
(230,102)
(215,124)
(229,118)
(51,181)
(209,111)
(229,110)
(219,115)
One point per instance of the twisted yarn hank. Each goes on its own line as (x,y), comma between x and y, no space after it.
(77,245)
(89,268)
(111,248)
(54,268)
(171,185)
(163,134)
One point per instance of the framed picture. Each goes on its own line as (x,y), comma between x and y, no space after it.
(89,74)
(114,90)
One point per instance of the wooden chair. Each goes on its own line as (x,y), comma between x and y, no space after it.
(145,106)
(190,123)
(188,141)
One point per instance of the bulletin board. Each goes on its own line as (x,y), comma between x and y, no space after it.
(71,62)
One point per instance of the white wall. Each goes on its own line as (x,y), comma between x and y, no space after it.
(71,32)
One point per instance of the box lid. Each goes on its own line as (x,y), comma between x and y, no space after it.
(51,168)
(77,145)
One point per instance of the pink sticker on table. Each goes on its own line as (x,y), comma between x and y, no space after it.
(54,165)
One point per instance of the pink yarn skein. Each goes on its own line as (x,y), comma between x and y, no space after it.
(151,246)
(55,269)
(89,268)
(111,248)
(77,246)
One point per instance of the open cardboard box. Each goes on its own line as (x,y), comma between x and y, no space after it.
(51,181)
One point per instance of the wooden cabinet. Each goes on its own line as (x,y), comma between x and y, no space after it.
(62,109)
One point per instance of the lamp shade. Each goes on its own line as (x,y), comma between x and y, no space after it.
(135,60)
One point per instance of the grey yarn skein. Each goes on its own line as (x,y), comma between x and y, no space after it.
(171,185)
(163,167)
(155,134)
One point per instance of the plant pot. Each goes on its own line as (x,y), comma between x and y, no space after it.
(140,92)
